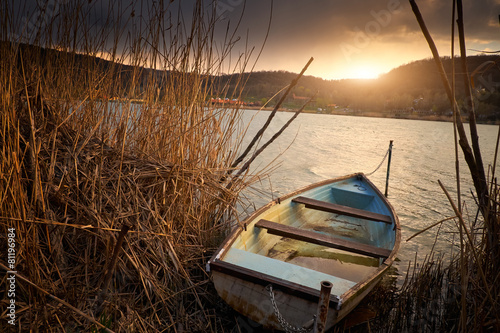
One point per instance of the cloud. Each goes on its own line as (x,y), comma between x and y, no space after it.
(338,34)
(385,31)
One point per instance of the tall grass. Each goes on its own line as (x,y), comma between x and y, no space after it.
(115,205)
(459,294)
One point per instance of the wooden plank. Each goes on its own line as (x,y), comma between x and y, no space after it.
(265,279)
(343,210)
(285,270)
(322,239)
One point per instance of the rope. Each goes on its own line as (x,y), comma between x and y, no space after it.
(286,325)
(378,167)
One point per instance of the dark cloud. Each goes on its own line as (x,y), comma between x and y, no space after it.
(323,19)
(339,34)
(377,29)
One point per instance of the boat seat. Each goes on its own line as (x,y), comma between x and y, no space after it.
(286,271)
(343,210)
(322,239)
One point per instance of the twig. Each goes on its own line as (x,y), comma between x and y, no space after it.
(57,299)
(431,226)
(455,111)
(274,137)
(268,121)
(112,263)
(479,183)
(464,276)
(472,114)
(469,237)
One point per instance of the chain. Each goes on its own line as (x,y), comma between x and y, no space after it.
(376,169)
(286,326)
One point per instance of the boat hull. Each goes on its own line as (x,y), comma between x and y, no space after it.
(248,261)
(253,301)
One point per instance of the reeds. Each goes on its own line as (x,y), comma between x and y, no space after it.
(459,294)
(116,204)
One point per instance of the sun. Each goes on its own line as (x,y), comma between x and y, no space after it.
(364,72)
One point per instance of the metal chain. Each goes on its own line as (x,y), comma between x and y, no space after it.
(376,169)
(286,326)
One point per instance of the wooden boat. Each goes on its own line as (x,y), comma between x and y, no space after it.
(340,230)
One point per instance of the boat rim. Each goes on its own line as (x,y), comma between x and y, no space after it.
(337,300)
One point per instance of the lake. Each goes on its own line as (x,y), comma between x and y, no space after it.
(317,147)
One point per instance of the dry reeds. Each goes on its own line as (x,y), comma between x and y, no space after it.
(460,295)
(459,292)
(111,173)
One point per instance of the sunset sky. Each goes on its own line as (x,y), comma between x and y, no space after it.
(348,39)
(359,38)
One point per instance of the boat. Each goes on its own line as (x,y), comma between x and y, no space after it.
(340,231)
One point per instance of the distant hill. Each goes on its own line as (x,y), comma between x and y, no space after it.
(413,86)
(416,85)
(420,75)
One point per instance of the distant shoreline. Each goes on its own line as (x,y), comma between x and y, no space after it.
(441,118)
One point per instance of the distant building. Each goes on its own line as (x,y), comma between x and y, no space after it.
(303,99)
(300,98)
(226,101)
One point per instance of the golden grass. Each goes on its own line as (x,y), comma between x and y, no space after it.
(460,295)
(78,169)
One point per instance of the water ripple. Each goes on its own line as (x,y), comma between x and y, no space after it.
(327,146)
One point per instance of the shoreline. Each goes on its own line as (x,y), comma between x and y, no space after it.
(441,118)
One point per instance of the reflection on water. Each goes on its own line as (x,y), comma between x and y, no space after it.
(318,147)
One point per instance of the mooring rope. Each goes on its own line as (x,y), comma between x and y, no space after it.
(378,167)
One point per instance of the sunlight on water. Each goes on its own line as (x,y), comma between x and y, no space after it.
(318,147)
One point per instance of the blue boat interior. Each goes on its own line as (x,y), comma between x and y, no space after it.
(307,263)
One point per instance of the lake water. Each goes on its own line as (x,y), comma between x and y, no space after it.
(317,147)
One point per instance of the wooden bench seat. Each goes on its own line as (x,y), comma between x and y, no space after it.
(343,210)
(322,239)
(286,271)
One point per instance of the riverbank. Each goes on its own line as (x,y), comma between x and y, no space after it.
(389,114)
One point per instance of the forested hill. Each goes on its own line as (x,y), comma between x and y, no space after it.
(415,85)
